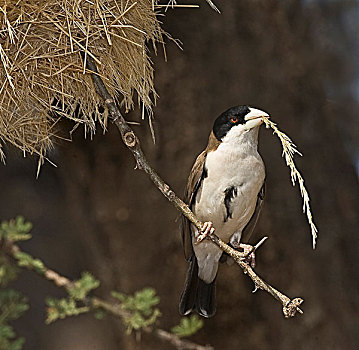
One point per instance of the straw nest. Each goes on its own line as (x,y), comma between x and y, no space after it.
(43,76)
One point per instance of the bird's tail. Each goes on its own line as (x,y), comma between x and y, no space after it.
(197,294)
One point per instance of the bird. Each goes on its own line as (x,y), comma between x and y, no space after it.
(225,190)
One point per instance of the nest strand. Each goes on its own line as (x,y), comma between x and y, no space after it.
(44,45)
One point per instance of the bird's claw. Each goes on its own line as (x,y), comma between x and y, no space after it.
(248,253)
(206,230)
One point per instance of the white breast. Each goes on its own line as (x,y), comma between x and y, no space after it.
(226,167)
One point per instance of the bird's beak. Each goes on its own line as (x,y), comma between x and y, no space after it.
(255,113)
(254,118)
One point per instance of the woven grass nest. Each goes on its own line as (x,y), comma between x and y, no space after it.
(42,73)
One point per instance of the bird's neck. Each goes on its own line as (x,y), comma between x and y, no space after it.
(246,143)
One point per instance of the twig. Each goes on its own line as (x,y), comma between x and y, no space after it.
(180,343)
(255,247)
(12,250)
(95,302)
(290,307)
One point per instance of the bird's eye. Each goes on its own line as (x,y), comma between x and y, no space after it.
(234,120)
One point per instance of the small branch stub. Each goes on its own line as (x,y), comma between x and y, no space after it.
(292,307)
(168,192)
(130,139)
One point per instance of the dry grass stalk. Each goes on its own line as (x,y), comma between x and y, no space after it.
(43,76)
(173,3)
(289,150)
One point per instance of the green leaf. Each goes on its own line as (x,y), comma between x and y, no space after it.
(142,300)
(153,318)
(12,305)
(26,260)
(83,286)
(100,314)
(61,308)
(8,272)
(16,344)
(7,339)
(140,307)
(137,321)
(15,229)
(6,332)
(188,326)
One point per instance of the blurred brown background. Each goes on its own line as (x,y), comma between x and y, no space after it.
(295,59)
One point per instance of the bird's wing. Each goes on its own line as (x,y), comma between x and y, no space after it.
(197,174)
(248,230)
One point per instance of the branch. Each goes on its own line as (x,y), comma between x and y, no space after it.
(94,302)
(290,307)
(117,310)
(180,343)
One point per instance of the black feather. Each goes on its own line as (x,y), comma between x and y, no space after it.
(206,298)
(198,185)
(188,297)
(185,223)
(229,194)
(197,295)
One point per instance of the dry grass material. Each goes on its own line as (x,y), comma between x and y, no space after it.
(289,150)
(43,76)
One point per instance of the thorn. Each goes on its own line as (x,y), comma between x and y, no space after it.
(260,243)
(255,247)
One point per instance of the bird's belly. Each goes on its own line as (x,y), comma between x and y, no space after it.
(213,209)
(210,201)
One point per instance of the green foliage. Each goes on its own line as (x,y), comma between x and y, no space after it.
(100,314)
(61,308)
(26,260)
(12,305)
(8,272)
(188,326)
(141,301)
(140,306)
(83,286)
(15,229)
(18,230)
(137,321)
(7,341)
(138,310)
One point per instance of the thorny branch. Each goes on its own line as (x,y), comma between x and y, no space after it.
(94,302)
(290,306)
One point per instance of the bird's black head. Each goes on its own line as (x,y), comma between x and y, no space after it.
(231,117)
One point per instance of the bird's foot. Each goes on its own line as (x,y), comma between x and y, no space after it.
(248,253)
(207,229)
